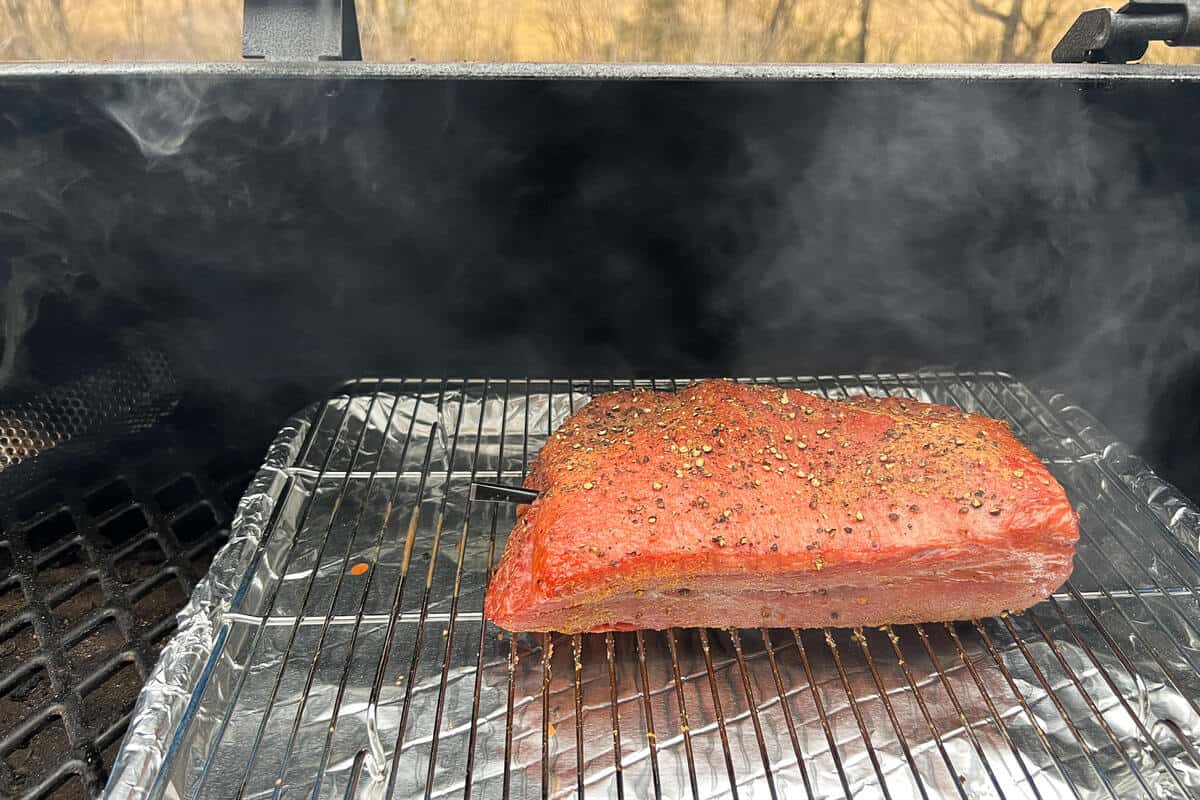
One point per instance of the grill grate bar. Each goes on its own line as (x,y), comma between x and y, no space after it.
(577,663)
(516,474)
(1052,695)
(360,612)
(613,702)
(647,708)
(1065,701)
(577,659)
(718,712)
(1001,728)
(547,649)
(460,557)
(613,694)
(512,640)
(651,735)
(1034,723)
(1116,691)
(821,713)
(223,726)
(460,554)
(858,636)
(924,707)
(758,734)
(684,725)
(483,629)
(1184,742)
(872,754)
(676,675)
(784,706)
(547,654)
(1089,700)
(281,778)
(303,603)
(433,561)
(967,727)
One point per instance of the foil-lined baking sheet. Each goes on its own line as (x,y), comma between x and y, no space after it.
(337,647)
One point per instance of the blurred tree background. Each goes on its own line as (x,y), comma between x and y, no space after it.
(697,31)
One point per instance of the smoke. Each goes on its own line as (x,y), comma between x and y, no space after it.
(36,189)
(275,232)
(93,213)
(1004,229)
(160,117)
(20,305)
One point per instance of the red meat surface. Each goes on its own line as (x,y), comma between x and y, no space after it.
(733,505)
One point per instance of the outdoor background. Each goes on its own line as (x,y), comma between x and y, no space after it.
(573,30)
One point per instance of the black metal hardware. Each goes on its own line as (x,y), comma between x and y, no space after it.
(484,492)
(1102,35)
(300,30)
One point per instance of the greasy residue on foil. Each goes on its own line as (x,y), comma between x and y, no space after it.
(1094,692)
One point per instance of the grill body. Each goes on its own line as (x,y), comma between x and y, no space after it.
(264,231)
(339,649)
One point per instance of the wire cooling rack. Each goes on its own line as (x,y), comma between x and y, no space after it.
(338,648)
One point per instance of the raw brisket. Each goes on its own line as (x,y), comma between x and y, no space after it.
(732,505)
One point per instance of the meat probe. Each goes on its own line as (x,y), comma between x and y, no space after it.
(485,492)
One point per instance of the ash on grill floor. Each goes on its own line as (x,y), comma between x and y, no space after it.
(92,572)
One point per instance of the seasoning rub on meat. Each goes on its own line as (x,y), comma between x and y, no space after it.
(731,505)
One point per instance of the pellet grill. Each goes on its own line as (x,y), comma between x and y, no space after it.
(289,309)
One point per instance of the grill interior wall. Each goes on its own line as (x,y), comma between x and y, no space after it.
(1044,223)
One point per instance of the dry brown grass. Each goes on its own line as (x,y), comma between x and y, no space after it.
(703,31)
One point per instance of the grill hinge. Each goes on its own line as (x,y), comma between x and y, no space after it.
(300,30)
(1104,36)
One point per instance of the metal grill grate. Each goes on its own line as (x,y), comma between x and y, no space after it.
(94,564)
(355,633)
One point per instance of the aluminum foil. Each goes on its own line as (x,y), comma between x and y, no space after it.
(337,648)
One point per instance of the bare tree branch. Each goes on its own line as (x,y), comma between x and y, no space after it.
(60,22)
(987,11)
(726,15)
(782,12)
(1008,40)
(1012,21)
(950,13)
(864,19)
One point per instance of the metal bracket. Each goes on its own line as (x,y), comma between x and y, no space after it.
(300,30)
(1102,35)
(485,492)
